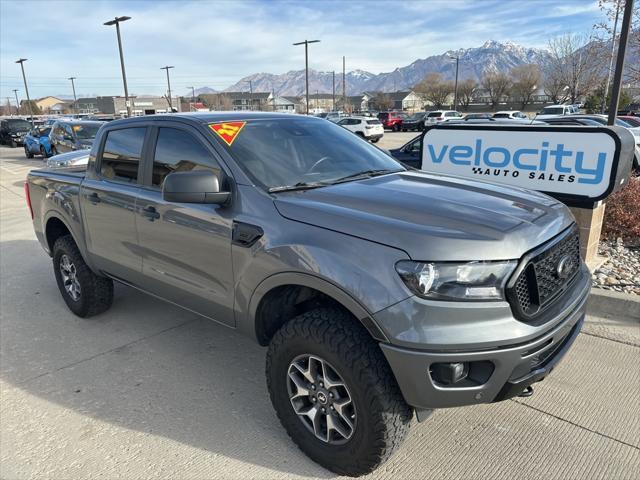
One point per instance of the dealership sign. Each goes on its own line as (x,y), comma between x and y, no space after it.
(577,165)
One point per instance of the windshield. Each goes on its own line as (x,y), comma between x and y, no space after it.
(501,115)
(86,132)
(43,131)
(18,125)
(279,153)
(417,116)
(552,111)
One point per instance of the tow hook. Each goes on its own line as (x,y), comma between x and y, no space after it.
(527,392)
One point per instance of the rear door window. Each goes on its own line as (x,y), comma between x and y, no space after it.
(179,151)
(121,154)
(433,114)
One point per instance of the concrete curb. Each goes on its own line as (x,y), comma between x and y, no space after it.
(608,304)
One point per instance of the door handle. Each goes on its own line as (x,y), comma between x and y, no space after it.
(93,198)
(151,213)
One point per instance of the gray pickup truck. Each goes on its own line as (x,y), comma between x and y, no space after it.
(380,291)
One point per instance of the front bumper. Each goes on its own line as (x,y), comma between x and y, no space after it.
(374,136)
(496,373)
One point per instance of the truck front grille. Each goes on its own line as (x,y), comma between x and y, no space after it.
(544,275)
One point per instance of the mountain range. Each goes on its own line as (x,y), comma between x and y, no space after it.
(474,63)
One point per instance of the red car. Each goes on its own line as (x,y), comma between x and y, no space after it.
(633,121)
(391,120)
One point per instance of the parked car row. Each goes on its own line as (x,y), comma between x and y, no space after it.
(410,153)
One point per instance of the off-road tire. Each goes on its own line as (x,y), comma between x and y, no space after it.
(382,416)
(96,291)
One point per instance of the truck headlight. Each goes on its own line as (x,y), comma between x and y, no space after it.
(469,281)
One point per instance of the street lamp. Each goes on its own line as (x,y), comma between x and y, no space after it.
(15,91)
(306,66)
(455,89)
(250,82)
(193,97)
(26,89)
(75,100)
(116,21)
(168,85)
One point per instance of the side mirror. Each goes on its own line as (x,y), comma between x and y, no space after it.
(196,186)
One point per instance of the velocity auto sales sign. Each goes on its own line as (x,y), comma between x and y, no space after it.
(577,165)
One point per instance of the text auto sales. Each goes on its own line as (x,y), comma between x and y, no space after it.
(553,164)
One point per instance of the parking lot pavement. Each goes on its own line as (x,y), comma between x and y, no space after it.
(147,390)
(395,139)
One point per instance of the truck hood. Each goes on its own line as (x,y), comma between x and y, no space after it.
(432,217)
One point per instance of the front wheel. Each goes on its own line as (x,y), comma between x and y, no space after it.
(335,393)
(27,152)
(85,293)
(374,140)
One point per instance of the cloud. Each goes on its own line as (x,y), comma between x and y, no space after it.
(216,43)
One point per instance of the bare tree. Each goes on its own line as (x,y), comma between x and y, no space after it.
(575,62)
(382,101)
(435,90)
(466,89)
(526,79)
(497,85)
(611,8)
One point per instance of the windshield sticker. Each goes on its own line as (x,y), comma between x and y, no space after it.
(227,131)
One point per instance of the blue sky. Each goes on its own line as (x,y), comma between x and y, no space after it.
(215,43)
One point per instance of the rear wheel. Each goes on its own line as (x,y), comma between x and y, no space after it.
(335,393)
(53,150)
(374,140)
(85,293)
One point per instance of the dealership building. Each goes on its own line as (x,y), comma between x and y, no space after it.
(147,105)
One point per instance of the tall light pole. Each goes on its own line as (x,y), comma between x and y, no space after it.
(15,91)
(344,84)
(250,82)
(116,21)
(334,92)
(166,68)
(306,66)
(26,89)
(75,100)
(455,88)
(193,96)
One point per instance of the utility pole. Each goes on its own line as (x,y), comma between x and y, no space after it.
(26,89)
(75,100)
(455,89)
(306,66)
(116,21)
(250,82)
(613,51)
(334,92)
(622,49)
(15,91)
(9,106)
(193,97)
(166,68)
(344,84)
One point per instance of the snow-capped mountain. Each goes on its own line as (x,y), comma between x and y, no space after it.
(474,63)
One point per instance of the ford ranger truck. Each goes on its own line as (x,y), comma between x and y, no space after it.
(380,292)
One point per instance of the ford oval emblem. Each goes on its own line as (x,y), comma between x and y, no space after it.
(563,268)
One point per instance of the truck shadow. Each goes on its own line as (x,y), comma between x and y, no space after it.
(144,365)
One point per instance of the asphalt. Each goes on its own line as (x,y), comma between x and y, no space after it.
(147,390)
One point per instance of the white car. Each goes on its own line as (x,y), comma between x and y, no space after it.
(70,159)
(556,110)
(368,128)
(438,116)
(517,114)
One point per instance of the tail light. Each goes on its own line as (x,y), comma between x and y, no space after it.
(28,197)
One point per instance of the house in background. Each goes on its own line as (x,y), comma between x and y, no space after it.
(45,103)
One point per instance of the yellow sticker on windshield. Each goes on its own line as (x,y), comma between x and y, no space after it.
(77,128)
(227,131)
